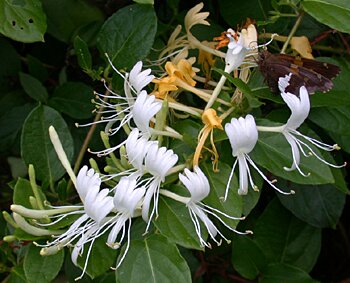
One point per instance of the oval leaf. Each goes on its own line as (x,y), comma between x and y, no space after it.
(279,272)
(36,145)
(22,20)
(273,153)
(233,206)
(319,206)
(334,13)
(73,99)
(154,259)
(286,239)
(128,35)
(66,17)
(175,223)
(247,257)
(101,257)
(39,268)
(33,87)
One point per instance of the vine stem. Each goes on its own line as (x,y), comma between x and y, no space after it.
(292,32)
(86,142)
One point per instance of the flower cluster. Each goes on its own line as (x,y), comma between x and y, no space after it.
(144,166)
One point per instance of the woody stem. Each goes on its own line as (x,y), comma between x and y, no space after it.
(292,32)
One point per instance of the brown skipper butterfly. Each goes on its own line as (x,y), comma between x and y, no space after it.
(314,75)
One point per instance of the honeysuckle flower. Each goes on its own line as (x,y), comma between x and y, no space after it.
(90,225)
(138,79)
(127,200)
(158,162)
(136,105)
(195,17)
(144,109)
(137,147)
(300,108)
(211,121)
(243,136)
(198,186)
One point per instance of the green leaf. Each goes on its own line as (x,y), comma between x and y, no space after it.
(22,192)
(22,20)
(233,206)
(174,222)
(66,17)
(37,69)
(273,153)
(279,272)
(33,87)
(101,259)
(17,275)
(335,119)
(83,53)
(128,35)
(11,124)
(36,145)
(10,65)
(39,268)
(334,13)
(319,206)
(73,99)
(286,239)
(153,259)
(247,257)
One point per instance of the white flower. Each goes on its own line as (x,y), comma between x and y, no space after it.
(137,78)
(136,147)
(87,228)
(141,109)
(300,108)
(144,109)
(243,136)
(97,204)
(236,51)
(198,185)
(126,200)
(158,162)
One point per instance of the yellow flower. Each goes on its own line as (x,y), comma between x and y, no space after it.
(179,75)
(211,121)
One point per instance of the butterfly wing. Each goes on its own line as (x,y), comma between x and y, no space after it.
(314,75)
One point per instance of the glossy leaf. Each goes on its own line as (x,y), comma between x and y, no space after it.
(174,222)
(247,257)
(335,119)
(153,259)
(39,268)
(101,259)
(286,239)
(319,206)
(334,13)
(128,35)
(36,145)
(73,99)
(83,53)
(67,17)
(17,275)
(33,87)
(279,272)
(11,124)
(273,153)
(233,206)
(22,20)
